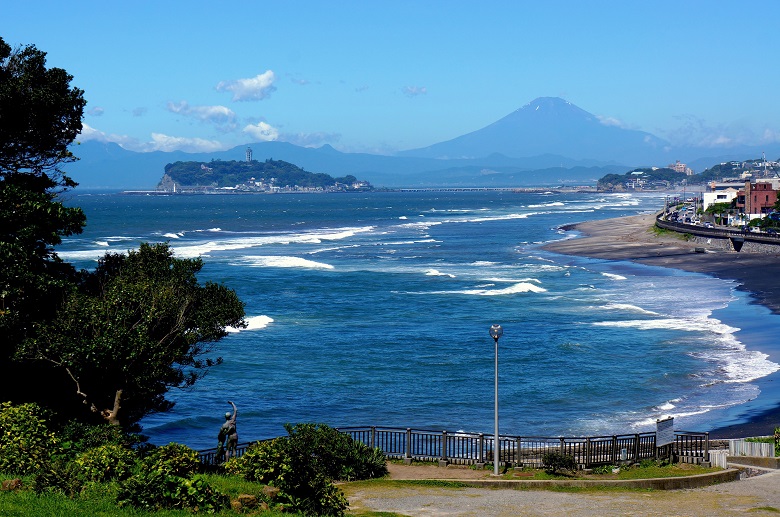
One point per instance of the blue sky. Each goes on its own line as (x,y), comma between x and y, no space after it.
(381,76)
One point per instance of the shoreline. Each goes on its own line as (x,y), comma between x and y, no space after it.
(758,274)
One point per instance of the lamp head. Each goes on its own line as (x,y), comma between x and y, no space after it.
(496,331)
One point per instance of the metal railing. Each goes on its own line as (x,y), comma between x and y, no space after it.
(525,451)
(208,457)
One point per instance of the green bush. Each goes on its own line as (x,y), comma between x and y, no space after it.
(174,459)
(77,437)
(26,443)
(304,464)
(557,463)
(336,454)
(777,441)
(107,462)
(155,490)
(58,475)
(266,462)
(603,469)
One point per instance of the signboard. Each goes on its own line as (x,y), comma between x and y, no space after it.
(664,432)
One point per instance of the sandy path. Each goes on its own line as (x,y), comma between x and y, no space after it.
(754,496)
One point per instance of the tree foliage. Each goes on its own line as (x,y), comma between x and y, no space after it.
(132,329)
(219,173)
(649,175)
(40,115)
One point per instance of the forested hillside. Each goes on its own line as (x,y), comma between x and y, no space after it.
(218,173)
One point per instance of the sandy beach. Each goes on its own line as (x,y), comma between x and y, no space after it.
(633,239)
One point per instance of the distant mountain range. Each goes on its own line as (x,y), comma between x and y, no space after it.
(546,142)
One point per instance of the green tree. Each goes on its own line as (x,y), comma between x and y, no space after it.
(137,326)
(717,210)
(40,115)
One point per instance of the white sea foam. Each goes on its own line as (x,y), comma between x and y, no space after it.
(332,248)
(696,324)
(286,262)
(735,363)
(514,280)
(435,272)
(614,276)
(403,217)
(506,217)
(520,287)
(253,323)
(420,225)
(102,243)
(396,243)
(311,237)
(543,205)
(83,255)
(625,307)
(171,235)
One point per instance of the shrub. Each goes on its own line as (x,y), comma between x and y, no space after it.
(77,437)
(155,490)
(777,441)
(266,462)
(174,459)
(603,469)
(106,463)
(337,455)
(58,476)
(556,463)
(304,464)
(26,444)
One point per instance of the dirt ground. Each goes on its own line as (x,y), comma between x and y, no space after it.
(755,496)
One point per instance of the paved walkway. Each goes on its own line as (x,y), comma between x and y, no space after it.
(755,496)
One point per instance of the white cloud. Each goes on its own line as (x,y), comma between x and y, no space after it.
(262,131)
(96,111)
(414,91)
(770,136)
(89,133)
(315,139)
(610,121)
(698,132)
(161,142)
(219,115)
(253,89)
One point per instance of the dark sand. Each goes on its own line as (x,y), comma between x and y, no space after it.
(632,238)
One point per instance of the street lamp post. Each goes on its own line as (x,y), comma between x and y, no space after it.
(496,332)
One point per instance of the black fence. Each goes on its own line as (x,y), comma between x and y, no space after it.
(209,458)
(528,451)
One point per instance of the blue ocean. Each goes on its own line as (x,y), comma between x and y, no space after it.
(374,309)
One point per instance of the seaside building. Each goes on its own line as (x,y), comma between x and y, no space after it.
(720,193)
(758,198)
(681,167)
